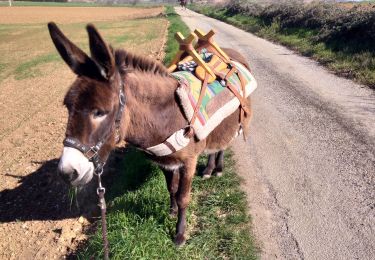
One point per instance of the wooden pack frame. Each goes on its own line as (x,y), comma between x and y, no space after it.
(190,52)
(187,49)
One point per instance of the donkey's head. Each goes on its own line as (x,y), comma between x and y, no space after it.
(94,102)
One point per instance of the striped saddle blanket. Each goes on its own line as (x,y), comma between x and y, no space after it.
(218,102)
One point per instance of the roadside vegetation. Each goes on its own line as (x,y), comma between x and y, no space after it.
(340,36)
(139,225)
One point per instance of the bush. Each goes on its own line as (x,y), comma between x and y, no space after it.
(335,24)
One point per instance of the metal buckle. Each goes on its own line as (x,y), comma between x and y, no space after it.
(117,135)
(100,188)
(223,82)
(99,173)
(94,150)
(121,97)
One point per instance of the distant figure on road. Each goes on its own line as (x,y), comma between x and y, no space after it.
(183,4)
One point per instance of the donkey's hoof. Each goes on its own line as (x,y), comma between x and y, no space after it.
(219,174)
(179,240)
(206,176)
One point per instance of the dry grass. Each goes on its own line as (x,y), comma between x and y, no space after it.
(44,14)
(363,5)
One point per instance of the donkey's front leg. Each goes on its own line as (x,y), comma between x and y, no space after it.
(172,178)
(183,198)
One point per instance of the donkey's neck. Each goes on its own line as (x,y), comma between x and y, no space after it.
(152,109)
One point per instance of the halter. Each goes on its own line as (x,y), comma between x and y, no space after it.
(92,152)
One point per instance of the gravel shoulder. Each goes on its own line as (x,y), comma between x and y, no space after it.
(309,165)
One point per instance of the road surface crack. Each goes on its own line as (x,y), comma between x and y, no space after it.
(283,214)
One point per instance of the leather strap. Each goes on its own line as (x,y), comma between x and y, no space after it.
(91,153)
(240,98)
(74,143)
(243,107)
(103,210)
(198,105)
(170,146)
(190,131)
(242,80)
(230,73)
(121,108)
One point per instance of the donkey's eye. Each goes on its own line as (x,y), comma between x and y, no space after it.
(96,113)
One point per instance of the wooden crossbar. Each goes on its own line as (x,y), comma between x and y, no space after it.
(186,46)
(207,38)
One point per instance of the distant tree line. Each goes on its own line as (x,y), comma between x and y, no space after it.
(114,2)
(57,1)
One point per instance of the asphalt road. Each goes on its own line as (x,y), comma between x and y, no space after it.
(309,165)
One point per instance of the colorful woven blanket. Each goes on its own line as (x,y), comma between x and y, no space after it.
(218,101)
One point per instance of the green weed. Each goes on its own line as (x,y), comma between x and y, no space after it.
(176,25)
(30,68)
(72,196)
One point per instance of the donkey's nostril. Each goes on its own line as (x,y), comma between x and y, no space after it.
(65,177)
(74,175)
(69,177)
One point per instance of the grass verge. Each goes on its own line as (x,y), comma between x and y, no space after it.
(176,25)
(345,58)
(139,226)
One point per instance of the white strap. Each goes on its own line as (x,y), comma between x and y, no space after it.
(177,140)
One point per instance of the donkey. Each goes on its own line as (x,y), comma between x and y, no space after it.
(121,96)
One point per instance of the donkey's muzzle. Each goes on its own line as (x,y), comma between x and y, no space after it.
(74,167)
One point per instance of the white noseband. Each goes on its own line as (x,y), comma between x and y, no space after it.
(73,160)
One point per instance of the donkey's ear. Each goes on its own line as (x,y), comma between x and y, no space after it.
(77,60)
(100,51)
